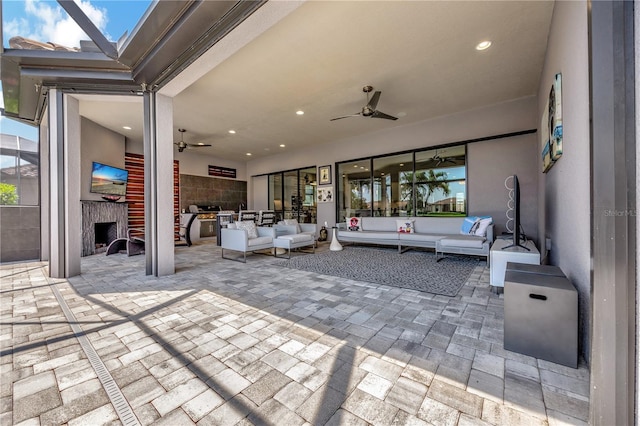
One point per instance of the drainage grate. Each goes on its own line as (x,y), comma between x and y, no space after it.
(127,417)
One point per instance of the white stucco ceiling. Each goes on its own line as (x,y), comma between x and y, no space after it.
(317,58)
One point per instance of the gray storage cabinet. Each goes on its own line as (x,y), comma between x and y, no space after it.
(541,314)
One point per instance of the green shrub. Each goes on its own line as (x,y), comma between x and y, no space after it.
(8,194)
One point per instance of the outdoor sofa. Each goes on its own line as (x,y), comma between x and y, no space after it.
(443,234)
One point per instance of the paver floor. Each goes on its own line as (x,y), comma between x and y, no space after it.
(224,343)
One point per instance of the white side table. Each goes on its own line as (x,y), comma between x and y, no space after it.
(335,244)
(499,258)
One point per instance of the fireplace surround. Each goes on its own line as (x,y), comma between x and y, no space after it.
(96,215)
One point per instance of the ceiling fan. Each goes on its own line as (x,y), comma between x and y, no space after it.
(369,110)
(439,160)
(182,145)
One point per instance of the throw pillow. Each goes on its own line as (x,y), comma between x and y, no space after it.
(482,225)
(405,226)
(353,224)
(293,222)
(249,226)
(468,225)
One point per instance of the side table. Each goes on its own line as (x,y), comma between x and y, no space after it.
(335,244)
(498,258)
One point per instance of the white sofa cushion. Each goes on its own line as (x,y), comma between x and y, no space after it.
(420,237)
(296,238)
(259,241)
(466,241)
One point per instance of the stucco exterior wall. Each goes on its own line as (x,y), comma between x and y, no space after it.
(564,191)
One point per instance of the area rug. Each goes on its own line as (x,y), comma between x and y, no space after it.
(417,270)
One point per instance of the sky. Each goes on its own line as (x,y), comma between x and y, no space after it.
(46,21)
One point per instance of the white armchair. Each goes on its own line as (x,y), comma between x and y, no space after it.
(243,239)
(291,227)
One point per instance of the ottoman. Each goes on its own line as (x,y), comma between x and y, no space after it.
(293,241)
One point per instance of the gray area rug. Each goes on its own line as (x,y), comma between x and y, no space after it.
(417,270)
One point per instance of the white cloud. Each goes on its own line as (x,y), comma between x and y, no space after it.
(53,24)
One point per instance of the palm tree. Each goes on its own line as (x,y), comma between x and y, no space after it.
(434,182)
(425,183)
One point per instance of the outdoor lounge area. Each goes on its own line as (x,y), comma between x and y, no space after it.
(487,150)
(225,342)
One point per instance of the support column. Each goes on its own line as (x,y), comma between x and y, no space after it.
(45,236)
(613,188)
(158,184)
(64,186)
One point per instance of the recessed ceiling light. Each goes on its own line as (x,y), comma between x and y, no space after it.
(282,145)
(248,153)
(233,132)
(300,112)
(126,127)
(355,165)
(483,45)
(401,164)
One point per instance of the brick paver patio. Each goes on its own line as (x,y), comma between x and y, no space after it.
(224,343)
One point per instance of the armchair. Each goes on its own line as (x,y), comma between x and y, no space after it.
(133,243)
(291,227)
(240,236)
(183,236)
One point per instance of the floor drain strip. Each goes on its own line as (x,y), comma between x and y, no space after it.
(119,402)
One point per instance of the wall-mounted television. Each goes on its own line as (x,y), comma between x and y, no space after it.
(108,180)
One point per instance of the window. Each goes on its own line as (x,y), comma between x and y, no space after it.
(421,183)
(19,171)
(440,182)
(390,192)
(292,194)
(354,186)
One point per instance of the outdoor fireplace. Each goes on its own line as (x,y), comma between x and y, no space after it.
(105,232)
(102,222)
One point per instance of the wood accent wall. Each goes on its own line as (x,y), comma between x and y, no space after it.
(134,163)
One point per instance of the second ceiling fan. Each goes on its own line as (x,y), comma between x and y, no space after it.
(369,110)
(182,145)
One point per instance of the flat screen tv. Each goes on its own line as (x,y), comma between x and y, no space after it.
(108,180)
(518,235)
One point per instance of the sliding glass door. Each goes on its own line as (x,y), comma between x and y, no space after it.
(292,194)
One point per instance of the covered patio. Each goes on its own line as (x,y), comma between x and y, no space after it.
(223,343)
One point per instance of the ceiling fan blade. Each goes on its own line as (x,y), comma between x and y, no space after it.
(374,100)
(198,145)
(346,116)
(379,114)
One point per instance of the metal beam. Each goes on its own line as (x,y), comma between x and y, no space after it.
(88,27)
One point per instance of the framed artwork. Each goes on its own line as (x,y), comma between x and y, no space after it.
(324,173)
(555,118)
(551,126)
(325,195)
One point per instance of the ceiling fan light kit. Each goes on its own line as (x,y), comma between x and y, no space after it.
(369,110)
(182,145)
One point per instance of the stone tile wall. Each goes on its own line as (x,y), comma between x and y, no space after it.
(210,191)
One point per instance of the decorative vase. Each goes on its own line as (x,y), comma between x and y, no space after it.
(323,234)
(335,244)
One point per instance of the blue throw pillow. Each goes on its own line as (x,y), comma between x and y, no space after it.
(468,223)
